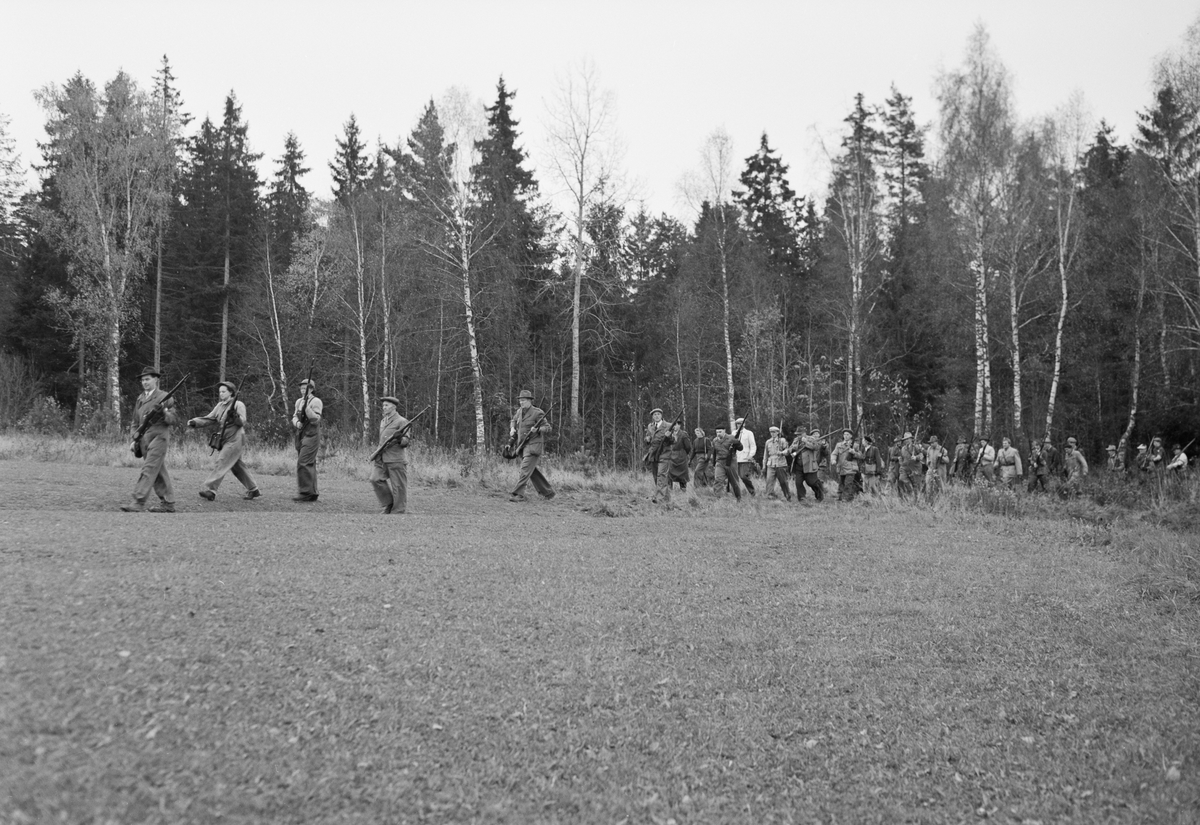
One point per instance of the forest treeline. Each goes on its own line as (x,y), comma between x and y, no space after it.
(1030,278)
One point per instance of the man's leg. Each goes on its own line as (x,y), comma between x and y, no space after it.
(379,483)
(744,472)
(398,479)
(306,465)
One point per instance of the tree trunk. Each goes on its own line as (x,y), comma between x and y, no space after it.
(476,368)
(1058,339)
(981,412)
(576,308)
(1015,326)
(725,318)
(158,283)
(1135,375)
(225,305)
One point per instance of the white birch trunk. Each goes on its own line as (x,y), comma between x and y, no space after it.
(1015,327)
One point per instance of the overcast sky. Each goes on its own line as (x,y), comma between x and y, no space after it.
(677,70)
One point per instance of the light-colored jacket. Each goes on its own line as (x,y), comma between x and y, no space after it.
(523,421)
(777,452)
(749,446)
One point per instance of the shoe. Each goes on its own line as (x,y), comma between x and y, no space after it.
(252,494)
(517,498)
(163,507)
(549,495)
(133,507)
(208,495)
(304,498)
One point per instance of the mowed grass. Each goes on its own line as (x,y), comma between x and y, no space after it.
(480,661)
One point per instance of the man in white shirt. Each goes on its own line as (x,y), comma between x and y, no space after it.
(745,456)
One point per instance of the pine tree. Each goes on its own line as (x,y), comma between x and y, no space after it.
(288,202)
(351,168)
(771,209)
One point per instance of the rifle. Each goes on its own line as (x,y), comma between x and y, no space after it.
(511,452)
(152,418)
(398,435)
(662,443)
(215,445)
(737,439)
(303,414)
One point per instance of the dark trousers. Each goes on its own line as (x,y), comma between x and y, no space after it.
(390,482)
(726,474)
(847,487)
(814,483)
(530,474)
(306,461)
(745,470)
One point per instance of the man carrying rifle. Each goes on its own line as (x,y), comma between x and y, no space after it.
(746,454)
(725,449)
(229,417)
(307,421)
(777,463)
(660,439)
(153,415)
(701,459)
(528,427)
(810,450)
(389,471)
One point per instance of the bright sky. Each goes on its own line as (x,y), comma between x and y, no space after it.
(678,68)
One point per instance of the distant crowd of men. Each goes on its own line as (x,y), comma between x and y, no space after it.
(910,467)
(727,462)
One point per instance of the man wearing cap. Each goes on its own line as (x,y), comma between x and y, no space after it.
(845,462)
(1076,467)
(1179,463)
(909,483)
(962,460)
(872,466)
(155,442)
(389,472)
(1142,462)
(306,418)
(1110,462)
(1039,470)
(530,421)
(1158,457)
(936,462)
(229,417)
(746,454)
(653,435)
(1053,459)
(725,448)
(776,463)
(701,459)
(810,450)
(985,460)
(1008,459)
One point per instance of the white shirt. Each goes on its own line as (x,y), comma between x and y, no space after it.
(749,445)
(1178,462)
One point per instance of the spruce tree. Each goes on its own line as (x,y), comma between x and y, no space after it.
(351,167)
(771,209)
(287,202)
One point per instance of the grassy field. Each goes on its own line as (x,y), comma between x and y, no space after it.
(590,659)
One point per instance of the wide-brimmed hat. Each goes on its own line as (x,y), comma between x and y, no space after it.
(393,399)
(907,435)
(524,394)
(151,371)
(228,385)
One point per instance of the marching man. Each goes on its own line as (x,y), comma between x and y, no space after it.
(153,446)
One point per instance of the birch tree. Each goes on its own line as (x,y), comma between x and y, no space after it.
(462,238)
(112,177)
(583,158)
(977,134)
(1064,137)
(710,186)
(854,214)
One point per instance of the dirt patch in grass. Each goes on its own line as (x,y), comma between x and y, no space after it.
(482,661)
